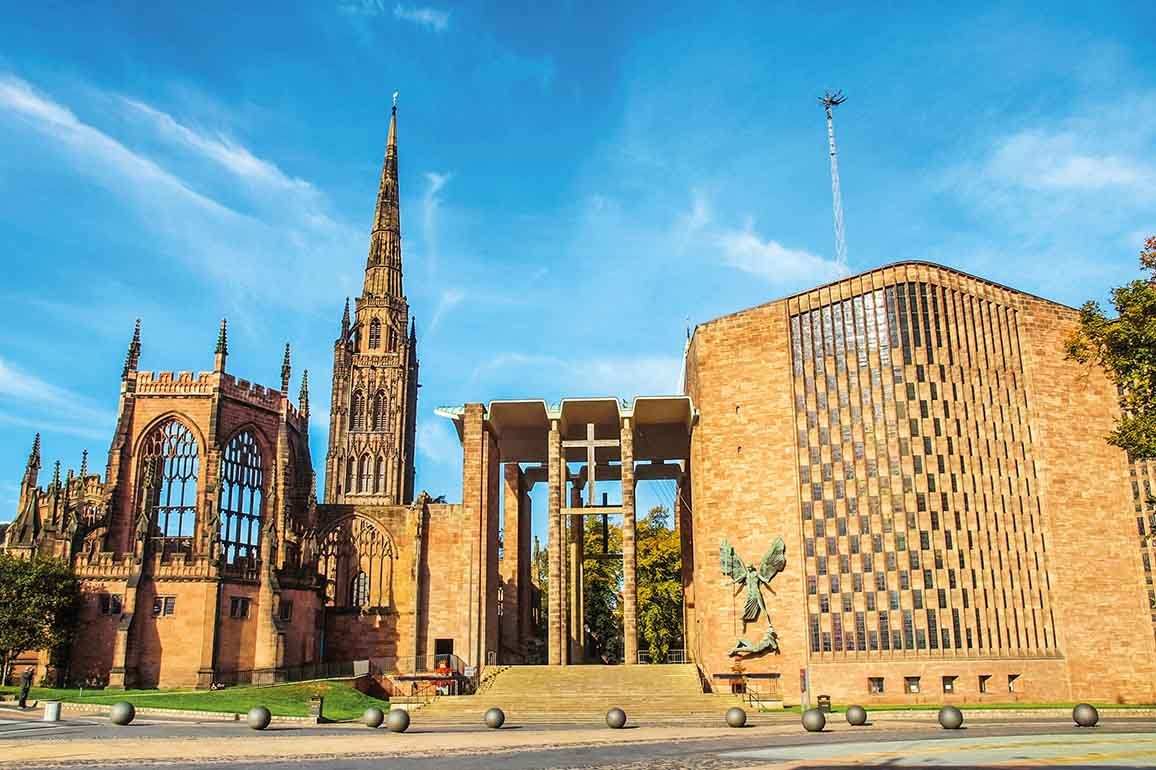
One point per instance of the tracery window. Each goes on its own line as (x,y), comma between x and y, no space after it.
(242,499)
(374,334)
(356,560)
(357,411)
(363,475)
(359,590)
(379,476)
(349,475)
(378,421)
(170,464)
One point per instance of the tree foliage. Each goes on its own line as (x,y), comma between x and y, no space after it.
(659,584)
(1125,347)
(38,603)
(602,589)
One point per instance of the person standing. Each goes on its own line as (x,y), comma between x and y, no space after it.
(25,686)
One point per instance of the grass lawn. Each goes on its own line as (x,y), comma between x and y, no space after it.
(342,701)
(840,708)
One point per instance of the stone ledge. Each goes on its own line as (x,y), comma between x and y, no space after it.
(230,716)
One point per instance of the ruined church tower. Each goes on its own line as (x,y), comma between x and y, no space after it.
(372,418)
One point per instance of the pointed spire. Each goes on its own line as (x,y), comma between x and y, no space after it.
(222,351)
(34,455)
(56,475)
(83,464)
(383,267)
(412,329)
(345,321)
(286,371)
(132,357)
(303,395)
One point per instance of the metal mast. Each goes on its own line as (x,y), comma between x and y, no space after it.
(830,101)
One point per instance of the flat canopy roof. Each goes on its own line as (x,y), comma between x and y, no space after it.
(662,426)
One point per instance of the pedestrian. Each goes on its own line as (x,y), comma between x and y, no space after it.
(25,686)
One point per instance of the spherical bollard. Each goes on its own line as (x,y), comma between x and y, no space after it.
(856,716)
(950,718)
(814,720)
(122,713)
(494,718)
(736,717)
(373,717)
(259,717)
(398,721)
(1085,715)
(616,718)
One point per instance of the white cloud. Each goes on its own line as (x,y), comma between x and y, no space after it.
(437,440)
(426,17)
(746,250)
(449,299)
(1067,161)
(291,237)
(430,205)
(28,401)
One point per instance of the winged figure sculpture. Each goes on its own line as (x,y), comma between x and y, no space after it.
(753,580)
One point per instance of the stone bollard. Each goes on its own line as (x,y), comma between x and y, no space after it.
(122,713)
(1085,715)
(736,717)
(494,718)
(856,716)
(616,718)
(259,717)
(950,718)
(398,721)
(51,711)
(373,717)
(814,720)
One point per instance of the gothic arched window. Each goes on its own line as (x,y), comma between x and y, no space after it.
(374,334)
(379,476)
(349,476)
(356,557)
(359,590)
(357,411)
(169,466)
(242,498)
(363,475)
(378,421)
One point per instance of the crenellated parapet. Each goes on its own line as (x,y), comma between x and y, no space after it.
(175,383)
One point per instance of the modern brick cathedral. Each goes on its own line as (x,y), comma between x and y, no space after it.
(893,486)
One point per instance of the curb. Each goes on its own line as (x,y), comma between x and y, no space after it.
(229,716)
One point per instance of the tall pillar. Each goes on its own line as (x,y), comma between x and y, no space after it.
(629,552)
(577,633)
(554,544)
(564,570)
(511,564)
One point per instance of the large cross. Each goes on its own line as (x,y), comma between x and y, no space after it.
(590,444)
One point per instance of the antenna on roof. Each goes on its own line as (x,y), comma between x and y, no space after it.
(830,100)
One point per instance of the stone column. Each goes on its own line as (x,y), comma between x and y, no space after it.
(629,553)
(511,565)
(577,634)
(564,568)
(554,543)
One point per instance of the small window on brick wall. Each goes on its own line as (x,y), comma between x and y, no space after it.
(911,685)
(1013,682)
(164,605)
(285,609)
(110,604)
(985,682)
(875,685)
(239,607)
(949,684)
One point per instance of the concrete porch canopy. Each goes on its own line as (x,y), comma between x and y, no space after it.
(538,442)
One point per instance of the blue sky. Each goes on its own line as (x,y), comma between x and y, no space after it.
(577,180)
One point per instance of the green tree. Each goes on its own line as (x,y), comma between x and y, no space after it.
(602,589)
(39,598)
(659,584)
(1125,347)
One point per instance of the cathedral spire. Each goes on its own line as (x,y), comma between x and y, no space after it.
(34,455)
(383,267)
(345,321)
(286,371)
(83,464)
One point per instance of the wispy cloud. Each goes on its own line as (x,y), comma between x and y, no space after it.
(293,239)
(748,251)
(436,440)
(426,17)
(1038,159)
(431,202)
(449,299)
(28,401)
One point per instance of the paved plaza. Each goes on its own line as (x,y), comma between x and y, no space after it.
(771,742)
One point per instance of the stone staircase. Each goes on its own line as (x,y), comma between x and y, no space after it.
(583,694)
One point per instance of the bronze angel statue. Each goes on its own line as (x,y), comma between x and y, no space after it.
(774,561)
